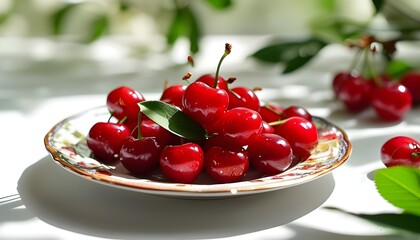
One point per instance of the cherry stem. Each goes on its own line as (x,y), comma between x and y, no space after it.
(122,120)
(356,59)
(372,70)
(228,49)
(190,60)
(276,123)
(186,77)
(256,89)
(110,116)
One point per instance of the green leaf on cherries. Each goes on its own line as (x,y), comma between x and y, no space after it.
(400,186)
(173,120)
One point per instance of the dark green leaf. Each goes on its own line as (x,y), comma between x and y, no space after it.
(400,186)
(220,4)
(99,27)
(176,29)
(403,221)
(396,68)
(194,34)
(57,18)
(283,52)
(296,63)
(173,120)
(378,4)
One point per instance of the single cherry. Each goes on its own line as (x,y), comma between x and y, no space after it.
(182,163)
(149,128)
(203,103)
(243,97)
(355,94)
(140,155)
(391,102)
(270,112)
(411,81)
(209,80)
(295,111)
(105,139)
(239,127)
(122,102)
(340,78)
(225,165)
(401,150)
(173,95)
(301,134)
(270,154)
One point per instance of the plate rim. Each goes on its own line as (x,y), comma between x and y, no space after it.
(190,190)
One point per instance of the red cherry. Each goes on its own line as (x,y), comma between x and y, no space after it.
(295,111)
(203,103)
(224,165)
(355,94)
(401,150)
(239,126)
(105,139)
(270,112)
(411,81)
(173,95)
(301,134)
(208,79)
(182,163)
(391,102)
(149,128)
(340,78)
(243,97)
(267,128)
(122,103)
(270,154)
(140,156)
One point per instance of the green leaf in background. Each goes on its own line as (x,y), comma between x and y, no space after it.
(173,120)
(99,27)
(396,68)
(184,24)
(219,4)
(378,4)
(293,54)
(401,187)
(58,17)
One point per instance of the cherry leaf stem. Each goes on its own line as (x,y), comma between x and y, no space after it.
(228,49)
(370,63)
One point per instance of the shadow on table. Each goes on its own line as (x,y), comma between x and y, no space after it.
(70,202)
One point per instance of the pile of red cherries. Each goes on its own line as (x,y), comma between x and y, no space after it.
(364,87)
(242,133)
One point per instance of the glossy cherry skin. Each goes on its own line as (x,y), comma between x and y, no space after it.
(239,126)
(301,134)
(203,103)
(270,112)
(391,102)
(140,156)
(340,78)
(355,94)
(243,97)
(105,139)
(123,101)
(411,81)
(295,111)
(267,128)
(182,163)
(225,165)
(401,150)
(173,95)
(208,79)
(270,154)
(149,128)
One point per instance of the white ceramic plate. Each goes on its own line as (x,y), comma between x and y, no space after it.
(67,146)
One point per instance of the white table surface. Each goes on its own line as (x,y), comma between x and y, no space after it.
(56,204)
